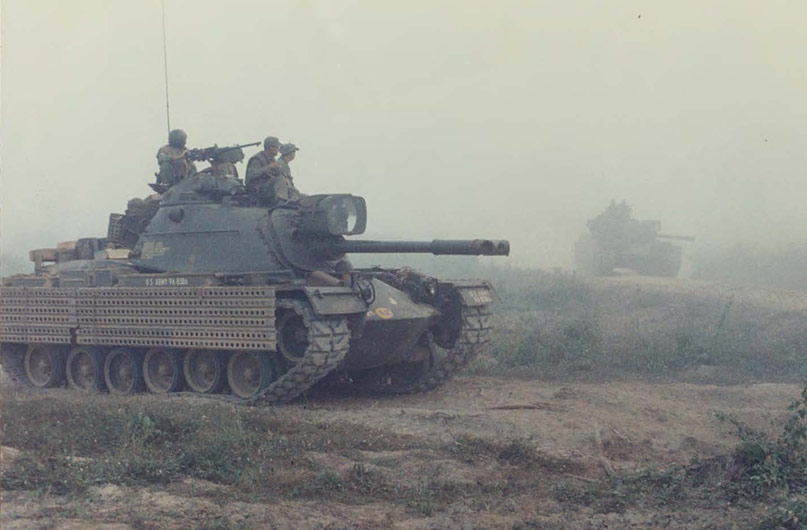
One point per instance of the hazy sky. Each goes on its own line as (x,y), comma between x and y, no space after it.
(456,119)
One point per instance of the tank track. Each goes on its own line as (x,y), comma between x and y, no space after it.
(13,364)
(474,334)
(328,338)
(328,343)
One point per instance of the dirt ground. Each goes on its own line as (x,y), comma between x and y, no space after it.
(590,431)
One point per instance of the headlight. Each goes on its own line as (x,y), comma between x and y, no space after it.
(336,215)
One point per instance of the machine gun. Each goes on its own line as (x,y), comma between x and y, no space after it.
(213,152)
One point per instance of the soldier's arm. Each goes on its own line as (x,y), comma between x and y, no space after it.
(254,170)
(166,156)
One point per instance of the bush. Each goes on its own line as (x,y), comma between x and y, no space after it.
(767,463)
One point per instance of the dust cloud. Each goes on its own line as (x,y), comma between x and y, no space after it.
(514,120)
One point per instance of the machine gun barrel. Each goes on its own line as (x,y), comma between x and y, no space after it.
(468,247)
(675,237)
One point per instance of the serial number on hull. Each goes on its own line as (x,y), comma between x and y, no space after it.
(166,282)
(478,296)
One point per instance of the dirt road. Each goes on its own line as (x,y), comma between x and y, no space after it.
(583,433)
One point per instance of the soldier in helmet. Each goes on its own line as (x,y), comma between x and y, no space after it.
(284,183)
(287,154)
(262,169)
(172,160)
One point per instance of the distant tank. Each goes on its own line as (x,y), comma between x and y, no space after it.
(202,290)
(618,241)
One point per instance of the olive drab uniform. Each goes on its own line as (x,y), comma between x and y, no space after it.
(268,185)
(284,184)
(284,168)
(259,177)
(173,166)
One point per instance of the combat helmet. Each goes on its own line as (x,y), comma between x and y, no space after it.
(286,149)
(270,141)
(177,138)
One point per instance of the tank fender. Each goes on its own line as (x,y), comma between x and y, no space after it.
(473,293)
(335,300)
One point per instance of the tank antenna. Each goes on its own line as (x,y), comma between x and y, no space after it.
(165,63)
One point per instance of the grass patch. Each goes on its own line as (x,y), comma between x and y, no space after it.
(562,327)
(73,443)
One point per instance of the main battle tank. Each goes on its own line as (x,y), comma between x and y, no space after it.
(617,240)
(202,290)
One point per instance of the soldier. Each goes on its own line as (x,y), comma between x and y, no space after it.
(261,169)
(171,158)
(287,154)
(284,188)
(223,165)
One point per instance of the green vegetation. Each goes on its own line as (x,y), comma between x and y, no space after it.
(763,470)
(774,468)
(562,327)
(68,448)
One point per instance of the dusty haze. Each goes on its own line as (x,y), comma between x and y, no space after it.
(454,119)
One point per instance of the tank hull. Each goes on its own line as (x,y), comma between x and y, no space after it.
(62,324)
(657,258)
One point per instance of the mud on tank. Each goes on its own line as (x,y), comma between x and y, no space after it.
(212,294)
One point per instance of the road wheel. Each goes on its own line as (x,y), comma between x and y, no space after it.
(205,371)
(305,358)
(162,370)
(44,365)
(250,372)
(292,336)
(123,371)
(85,369)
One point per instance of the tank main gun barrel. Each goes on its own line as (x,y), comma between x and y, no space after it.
(467,247)
(675,237)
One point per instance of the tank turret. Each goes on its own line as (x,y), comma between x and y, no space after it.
(301,237)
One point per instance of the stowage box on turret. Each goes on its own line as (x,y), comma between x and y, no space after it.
(212,294)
